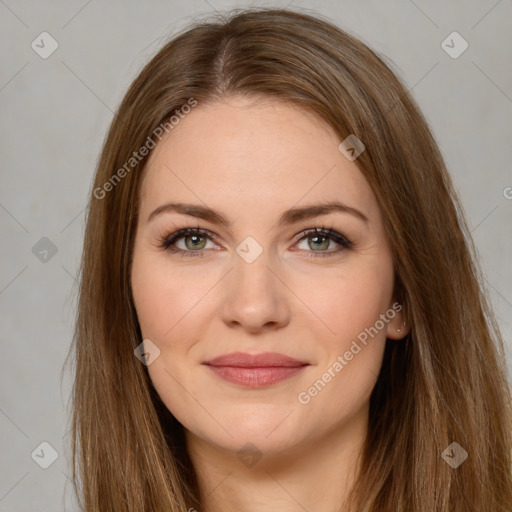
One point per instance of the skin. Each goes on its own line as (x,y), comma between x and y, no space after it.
(251,160)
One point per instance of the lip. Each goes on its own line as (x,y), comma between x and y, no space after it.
(255,370)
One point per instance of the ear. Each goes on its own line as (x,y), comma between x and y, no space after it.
(397,327)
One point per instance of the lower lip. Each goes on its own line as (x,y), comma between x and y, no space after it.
(256,377)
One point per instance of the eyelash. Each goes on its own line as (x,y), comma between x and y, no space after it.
(166,242)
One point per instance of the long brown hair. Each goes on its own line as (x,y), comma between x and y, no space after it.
(444,383)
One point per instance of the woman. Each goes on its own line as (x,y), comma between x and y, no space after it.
(279,307)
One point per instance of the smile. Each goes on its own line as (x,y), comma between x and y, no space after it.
(255,371)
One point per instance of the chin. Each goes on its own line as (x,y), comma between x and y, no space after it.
(268,434)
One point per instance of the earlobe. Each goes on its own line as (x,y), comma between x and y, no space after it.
(402,330)
(397,333)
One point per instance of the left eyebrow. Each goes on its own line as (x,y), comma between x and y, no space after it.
(294,215)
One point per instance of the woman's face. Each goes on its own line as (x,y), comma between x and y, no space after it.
(254,176)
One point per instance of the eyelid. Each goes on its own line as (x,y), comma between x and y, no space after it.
(167,241)
(329,233)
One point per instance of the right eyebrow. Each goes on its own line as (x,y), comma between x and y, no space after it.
(193,210)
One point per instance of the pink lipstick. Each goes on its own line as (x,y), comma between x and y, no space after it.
(257,370)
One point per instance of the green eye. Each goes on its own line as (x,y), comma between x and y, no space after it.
(195,240)
(319,239)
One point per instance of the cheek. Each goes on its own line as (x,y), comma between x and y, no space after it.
(353,305)
(167,304)
(349,300)
(164,296)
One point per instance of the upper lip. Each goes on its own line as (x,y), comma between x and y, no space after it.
(266,359)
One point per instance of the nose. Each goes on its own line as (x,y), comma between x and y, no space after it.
(256,297)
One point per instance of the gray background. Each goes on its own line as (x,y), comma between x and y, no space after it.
(55,113)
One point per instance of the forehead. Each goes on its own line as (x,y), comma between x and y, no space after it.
(253,155)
